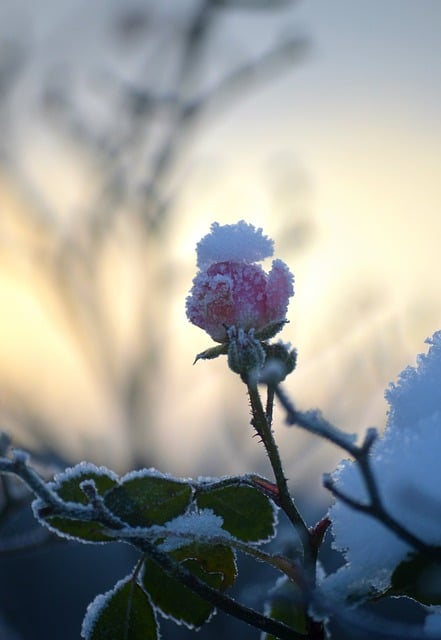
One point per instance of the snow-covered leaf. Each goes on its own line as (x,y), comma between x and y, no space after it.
(145,498)
(285,605)
(201,526)
(124,613)
(79,530)
(213,564)
(246,512)
(67,483)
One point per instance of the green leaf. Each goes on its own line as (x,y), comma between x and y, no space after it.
(418,577)
(246,512)
(285,605)
(215,565)
(124,613)
(67,484)
(144,499)
(80,530)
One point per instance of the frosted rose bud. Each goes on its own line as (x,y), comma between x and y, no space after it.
(231,290)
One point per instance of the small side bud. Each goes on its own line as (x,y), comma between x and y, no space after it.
(21,457)
(280,362)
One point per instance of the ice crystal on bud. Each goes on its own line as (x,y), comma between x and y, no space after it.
(231,290)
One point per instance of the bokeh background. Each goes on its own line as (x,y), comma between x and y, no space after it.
(127,128)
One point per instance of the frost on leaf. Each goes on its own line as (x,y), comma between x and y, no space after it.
(247,514)
(201,525)
(67,486)
(285,603)
(85,531)
(213,564)
(144,498)
(124,612)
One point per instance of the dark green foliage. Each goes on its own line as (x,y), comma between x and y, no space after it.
(213,564)
(418,577)
(125,613)
(144,500)
(83,530)
(246,512)
(285,604)
(68,488)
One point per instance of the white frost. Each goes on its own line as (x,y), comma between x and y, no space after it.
(79,470)
(406,463)
(151,472)
(198,525)
(96,606)
(240,242)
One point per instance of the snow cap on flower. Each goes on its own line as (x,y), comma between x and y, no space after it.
(240,242)
(231,290)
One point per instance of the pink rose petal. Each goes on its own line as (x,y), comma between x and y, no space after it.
(237,292)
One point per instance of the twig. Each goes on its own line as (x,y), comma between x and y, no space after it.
(96,511)
(263,429)
(314,422)
(218,599)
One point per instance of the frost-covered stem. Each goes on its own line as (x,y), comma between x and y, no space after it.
(101,512)
(376,509)
(284,499)
(215,597)
(18,466)
(314,422)
(269,405)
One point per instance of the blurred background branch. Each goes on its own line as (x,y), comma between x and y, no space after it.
(127,128)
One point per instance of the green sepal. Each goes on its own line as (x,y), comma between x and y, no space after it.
(245,353)
(270,330)
(247,514)
(213,564)
(213,352)
(144,499)
(125,612)
(285,605)
(417,577)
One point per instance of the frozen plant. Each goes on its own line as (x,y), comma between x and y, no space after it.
(385,520)
(231,290)
(398,550)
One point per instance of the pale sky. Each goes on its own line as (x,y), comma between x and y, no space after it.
(343,148)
